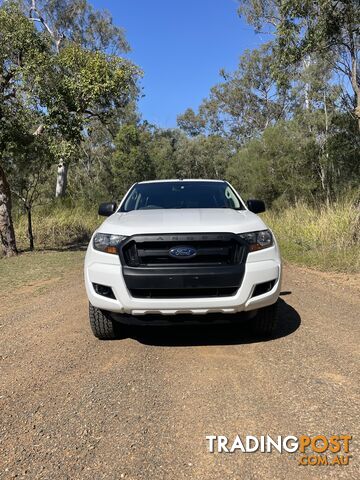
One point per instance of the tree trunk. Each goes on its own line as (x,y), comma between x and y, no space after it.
(61,181)
(7,234)
(30,230)
(354,82)
(306,65)
(327,156)
(357,109)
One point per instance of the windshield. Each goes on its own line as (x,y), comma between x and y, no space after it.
(180,194)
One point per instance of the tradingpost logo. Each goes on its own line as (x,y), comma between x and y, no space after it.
(312,450)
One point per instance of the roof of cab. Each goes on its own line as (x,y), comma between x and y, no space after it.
(182,180)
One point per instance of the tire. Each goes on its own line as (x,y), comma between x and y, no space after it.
(265,322)
(102,326)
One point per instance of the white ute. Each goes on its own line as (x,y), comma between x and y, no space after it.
(189,247)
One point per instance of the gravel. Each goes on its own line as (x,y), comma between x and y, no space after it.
(73,407)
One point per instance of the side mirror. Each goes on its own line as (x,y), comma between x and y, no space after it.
(256,206)
(107,209)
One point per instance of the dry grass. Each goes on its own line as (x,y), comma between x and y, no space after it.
(58,227)
(35,269)
(327,238)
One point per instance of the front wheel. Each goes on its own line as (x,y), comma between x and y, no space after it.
(265,322)
(102,326)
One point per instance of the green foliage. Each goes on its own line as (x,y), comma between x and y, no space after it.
(69,87)
(131,161)
(52,87)
(280,127)
(304,28)
(203,157)
(191,123)
(93,79)
(30,175)
(279,164)
(292,162)
(80,23)
(20,50)
(244,104)
(79,85)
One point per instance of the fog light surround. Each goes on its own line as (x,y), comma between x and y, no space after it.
(104,290)
(262,288)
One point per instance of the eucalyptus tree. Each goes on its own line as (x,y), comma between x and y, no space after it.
(191,123)
(244,104)
(29,176)
(131,161)
(203,156)
(67,86)
(301,28)
(86,46)
(21,51)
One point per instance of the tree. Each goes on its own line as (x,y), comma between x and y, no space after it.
(65,87)
(318,103)
(78,32)
(163,151)
(277,166)
(85,85)
(191,123)
(21,49)
(7,234)
(131,161)
(330,28)
(244,104)
(202,157)
(91,177)
(78,22)
(29,176)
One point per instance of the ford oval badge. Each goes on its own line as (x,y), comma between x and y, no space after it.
(182,252)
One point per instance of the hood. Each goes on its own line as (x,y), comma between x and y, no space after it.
(189,220)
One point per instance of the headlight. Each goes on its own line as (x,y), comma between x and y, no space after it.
(258,240)
(107,243)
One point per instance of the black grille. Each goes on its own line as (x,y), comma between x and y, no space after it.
(211,249)
(216,270)
(183,293)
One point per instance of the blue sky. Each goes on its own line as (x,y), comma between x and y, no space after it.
(181,46)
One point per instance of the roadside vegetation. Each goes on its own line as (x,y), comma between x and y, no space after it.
(36,271)
(58,226)
(327,238)
(284,126)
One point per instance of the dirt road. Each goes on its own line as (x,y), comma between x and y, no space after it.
(73,407)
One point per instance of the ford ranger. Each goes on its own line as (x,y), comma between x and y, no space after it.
(182,251)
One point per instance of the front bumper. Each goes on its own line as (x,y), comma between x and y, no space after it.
(260,267)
